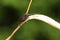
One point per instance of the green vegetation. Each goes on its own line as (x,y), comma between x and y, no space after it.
(11,10)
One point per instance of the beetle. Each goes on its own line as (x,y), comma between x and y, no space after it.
(23,18)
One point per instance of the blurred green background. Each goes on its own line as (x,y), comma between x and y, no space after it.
(11,10)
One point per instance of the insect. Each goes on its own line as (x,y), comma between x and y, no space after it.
(23,18)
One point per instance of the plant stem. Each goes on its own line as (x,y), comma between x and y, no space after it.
(45,19)
(16,29)
(40,17)
(28,7)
